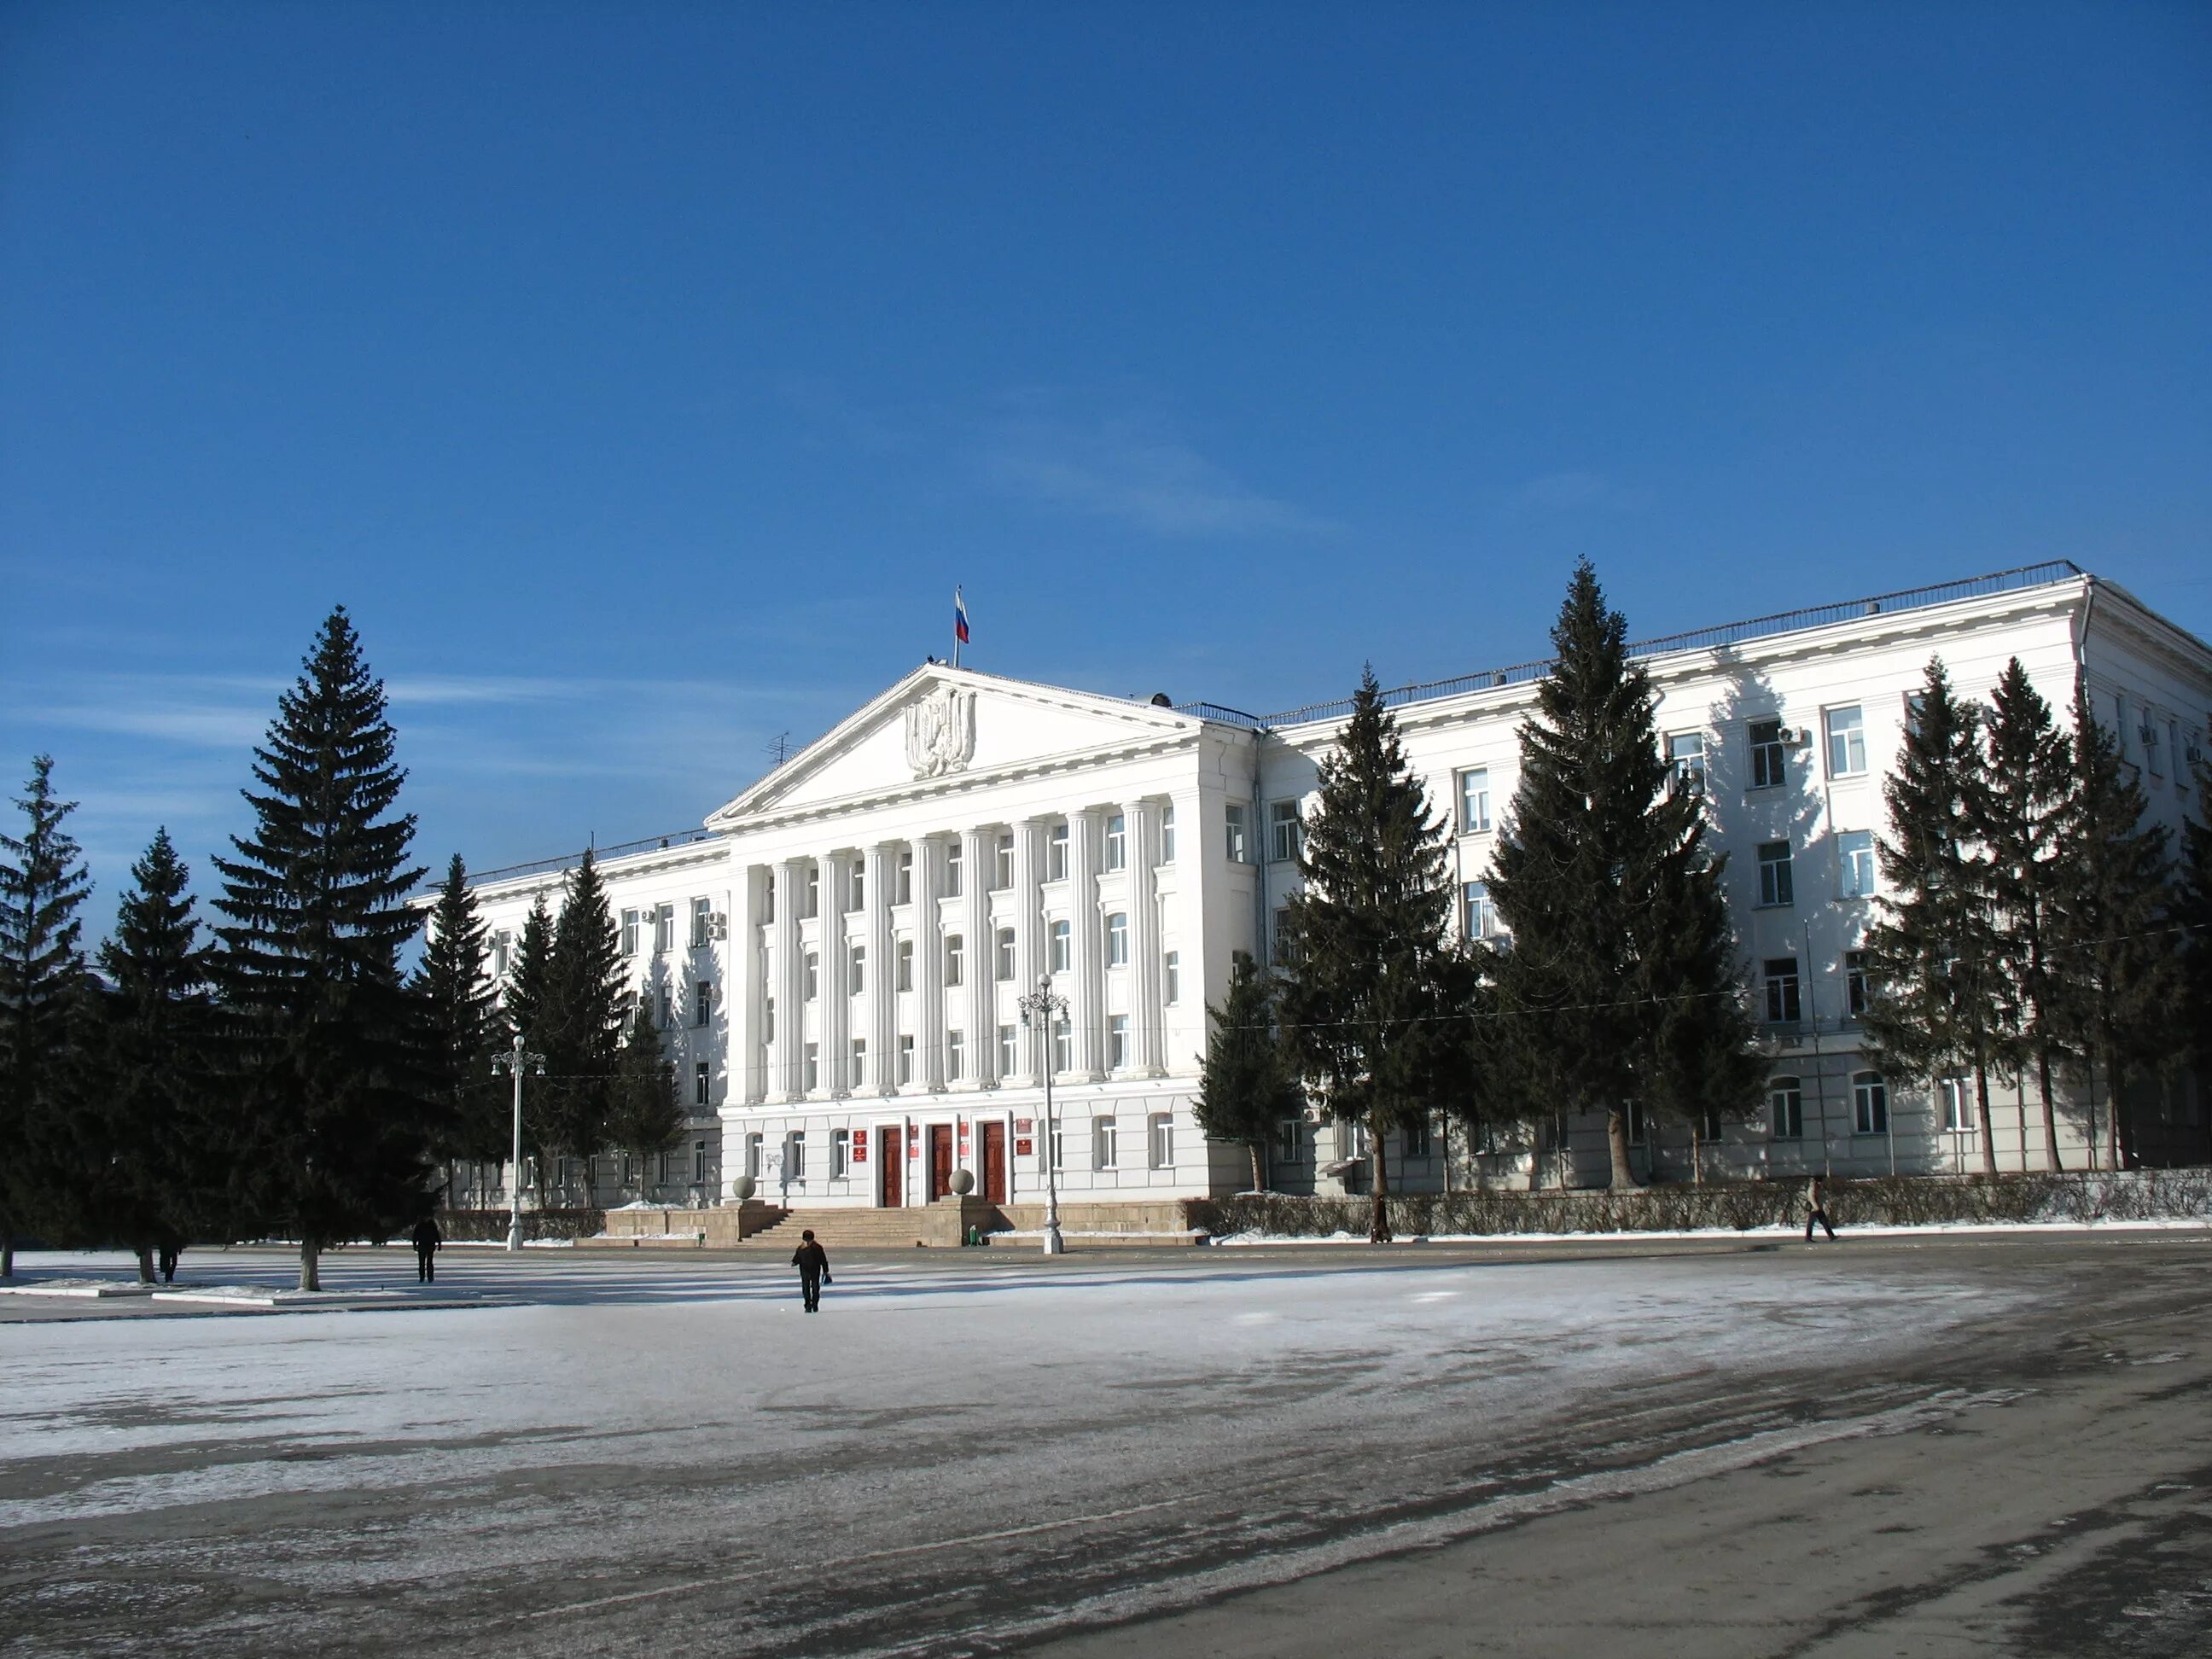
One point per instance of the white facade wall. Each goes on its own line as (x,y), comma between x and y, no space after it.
(949,766)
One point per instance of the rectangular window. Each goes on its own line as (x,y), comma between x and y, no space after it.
(902,882)
(812,971)
(1167,833)
(1117,940)
(768,903)
(1639,1123)
(702,913)
(906,1060)
(1479,911)
(1855,985)
(953,860)
(1417,1139)
(1286,943)
(1782,991)
(1685,753)
(702,1002)
(1102,1153)
(667,1006)
(1474,800)
(1063,1047)
(1284,829)
(1870,1103)
(1854,850)
(2150,748)
(856,887)
(1063,947)
(856,969)
(1767,770)
(1846,742)
(903,956)
(698,1160)
(813,892)
(813,1071)
(1160,1137)
(664,928)
(1010,1052)
(1234,820)
(1171,978)
(1290,1140)
(1774,885)
(1055,852)
(1002,862)
(955,1056)
(1058,1142)
(1117,842)
(629,928)
(502,947)
(1786,1101)
(702,1083)
(857,1077)
(768,1019)
(1003,964)
(1117,1043)
(840,1153)
(1958,1096)
(955,954)
(795,1154)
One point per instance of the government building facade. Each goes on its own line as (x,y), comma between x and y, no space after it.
(839,957)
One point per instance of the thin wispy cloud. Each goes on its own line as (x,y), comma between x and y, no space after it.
(1574,489)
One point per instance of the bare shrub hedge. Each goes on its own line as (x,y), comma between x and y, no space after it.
(490,1226)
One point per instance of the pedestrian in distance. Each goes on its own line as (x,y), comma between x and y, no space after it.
(168,1255)
(1816,1208)
(427,1240)
(813,1264)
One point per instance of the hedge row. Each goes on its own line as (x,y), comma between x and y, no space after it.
(490,1226)
(1894,1200)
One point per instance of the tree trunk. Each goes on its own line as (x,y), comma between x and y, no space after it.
(1616,1143)
(2049,1111)
(2124,1136)
(145,1253)
(1379,1210)
(7,1256)
(311,1257)
(1982,1119)
(1258,1181)
(1697,1155)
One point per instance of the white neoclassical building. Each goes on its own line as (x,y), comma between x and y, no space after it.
(839,956)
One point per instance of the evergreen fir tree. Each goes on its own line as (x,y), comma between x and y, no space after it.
(523,1005)
(1246,1082)
(2117,940)
(1933,959)
(2193,913)
(43,1003)
(1622,985)
(644,1118)
(1364,999)
(2030,786)
(334,1123)
(580,1018)
(148,1153)
(461,1013)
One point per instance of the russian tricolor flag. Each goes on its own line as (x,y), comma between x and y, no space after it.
(959,617)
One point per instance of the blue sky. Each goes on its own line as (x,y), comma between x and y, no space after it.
(643,377)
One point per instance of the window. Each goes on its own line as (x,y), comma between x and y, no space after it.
(1417,1139)
(768,1019)
(1009,1053)
(902,881)
(795,1154)
(1003,965)
(702,1002)
(856,969)
(1854,851)
(630,921)
(1055,852)
(667,1006)
(698,1160)
(1479,910)
(1063,947)
(702,1083)
(1284,828)
(1685,753)
(1002,862)
(1167,833)
(1709,1123)
(840,1153)
(1290,1140)
(1171,978)
(702,923)
(1870,1103)
(955,1054)
(1102,1144)
(953,857)
(811,970)
(1855,984)
(813,1068)
(856,887)
(857,1077)
(813,891)
(1286,943)
(903,955)
(1639,1123)
(1117,940)
(955,953)
(753,1155)
(1160,1138)
(1958,1104)
(2150,748)
(1782,991)
(1117,1043)
(502,946)
(1234,818)
(1117,840)
(1474,800)
(1774,885)
(1786,1101)
(768,903)
(1766,755)
(906,1059)
(1846,742)
(1057,1144)
(1063,1046)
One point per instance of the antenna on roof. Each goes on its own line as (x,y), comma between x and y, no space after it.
(780,746)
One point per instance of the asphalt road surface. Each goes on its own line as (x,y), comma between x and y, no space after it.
(1940,1447)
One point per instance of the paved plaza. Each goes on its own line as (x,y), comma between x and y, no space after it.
(1940,1446)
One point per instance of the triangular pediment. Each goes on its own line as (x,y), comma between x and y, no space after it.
(942,723)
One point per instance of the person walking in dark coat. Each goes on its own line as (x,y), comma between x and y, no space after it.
(1816,1208)
(813,1264)
(427,1240)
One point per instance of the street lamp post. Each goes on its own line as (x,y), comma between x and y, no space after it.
(1043,1009)
(518,1060)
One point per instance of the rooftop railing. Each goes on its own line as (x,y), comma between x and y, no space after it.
(600,855)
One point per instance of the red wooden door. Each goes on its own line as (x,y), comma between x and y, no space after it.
(891,1155)
(940,1160)
(994,1162)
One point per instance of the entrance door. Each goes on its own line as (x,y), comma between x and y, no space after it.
(940,1160)
(994,1162)
(891,1158)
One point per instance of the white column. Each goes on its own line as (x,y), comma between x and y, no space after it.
(1030,938)
(883,981)
(929,963)
(837,979)
(1087,998)
(748,1059)
(1144,850)
(787,1051)
(979,1015)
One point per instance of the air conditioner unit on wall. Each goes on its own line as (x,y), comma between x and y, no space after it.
(1794,736)
(718,925)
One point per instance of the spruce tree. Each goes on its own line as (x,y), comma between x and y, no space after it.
(43,1004)
(523,1006)
(1933,959)
(2023,830)
(2117,940)
(644,1118)
(1246,1082)
(148,1151)
(460,1011)
(1622,984)
(333,1123)
(1364,1001)
(2193,915)
(581,1019)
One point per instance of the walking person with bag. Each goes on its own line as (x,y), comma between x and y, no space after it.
(813,1264)
(1816,1208)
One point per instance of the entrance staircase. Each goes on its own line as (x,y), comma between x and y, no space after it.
(944,1223)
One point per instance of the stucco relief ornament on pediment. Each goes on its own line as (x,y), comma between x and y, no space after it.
(940,731)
